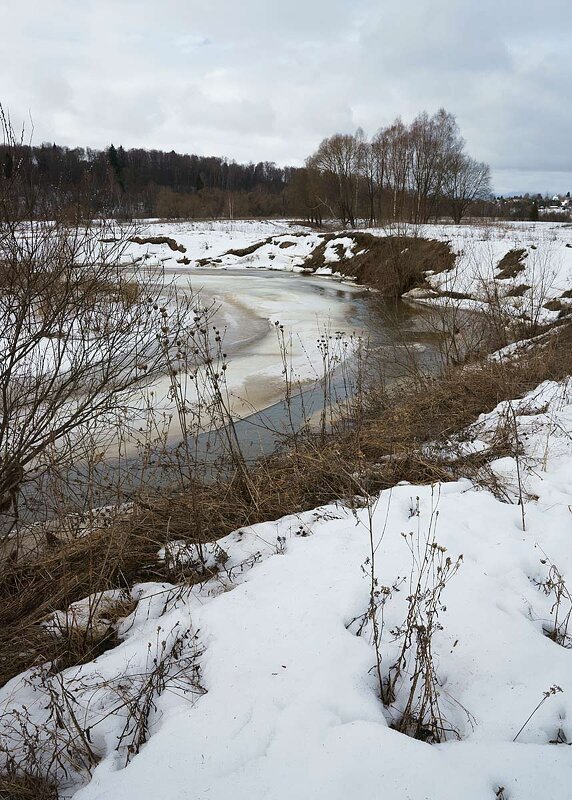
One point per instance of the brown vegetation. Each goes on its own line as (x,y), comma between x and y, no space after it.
(391,264)
(247,251)
(174,245)
(381,445)
(518,291)
(511,264)
(23,786)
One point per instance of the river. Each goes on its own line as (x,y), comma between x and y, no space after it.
(248,305)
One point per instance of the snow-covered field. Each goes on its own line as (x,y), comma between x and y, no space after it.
(545,276)
(546,273)
(210,240)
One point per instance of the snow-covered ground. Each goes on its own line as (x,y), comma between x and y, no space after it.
(291,706)
(209,240)
(546,273)
(261,682)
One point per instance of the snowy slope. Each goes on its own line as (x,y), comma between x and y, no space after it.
(291,708)
(546,274)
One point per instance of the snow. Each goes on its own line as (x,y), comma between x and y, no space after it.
(269,691)
(341,243)
(249,310)
(212,239)
(547,263)
(291,707)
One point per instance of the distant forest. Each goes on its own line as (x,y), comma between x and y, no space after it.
(407,173)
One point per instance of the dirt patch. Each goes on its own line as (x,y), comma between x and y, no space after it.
(206,262)
(511,264)
(316,258)
(454,295)
(172,243)
(555,305)
(391,264)
(247,251)
(284,245)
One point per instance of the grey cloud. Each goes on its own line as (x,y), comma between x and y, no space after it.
(257,80)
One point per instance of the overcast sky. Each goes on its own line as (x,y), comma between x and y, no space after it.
(261,80)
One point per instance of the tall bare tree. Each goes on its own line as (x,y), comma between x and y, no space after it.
(399,162)
(467,180)
(434,141)
(338,159)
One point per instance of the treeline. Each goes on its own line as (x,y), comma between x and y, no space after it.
(415,173)
(411,173)
(142,183)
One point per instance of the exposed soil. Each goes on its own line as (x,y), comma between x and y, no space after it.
(392,264)
(511,264)
(518,291)
(172,243)
(247,251)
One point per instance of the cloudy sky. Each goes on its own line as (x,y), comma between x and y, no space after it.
(262,80)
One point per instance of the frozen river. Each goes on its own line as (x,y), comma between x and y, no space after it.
(248,304)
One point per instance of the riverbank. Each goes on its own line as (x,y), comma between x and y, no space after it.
(235,638)
(219,651)
(526,265)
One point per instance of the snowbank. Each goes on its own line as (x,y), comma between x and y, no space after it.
(291,707)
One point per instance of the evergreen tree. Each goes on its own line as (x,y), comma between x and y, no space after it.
(533,216)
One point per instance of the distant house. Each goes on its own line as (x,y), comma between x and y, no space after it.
(556,205)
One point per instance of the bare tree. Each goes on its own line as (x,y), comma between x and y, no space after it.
(466,180)
(435,141)
(378,157)
(339,160)
(372,170)
(78,330)
(397,142)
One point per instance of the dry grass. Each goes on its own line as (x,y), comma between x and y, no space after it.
(35,587)
(378,448)
(171,243)
(22,786)
(390,264)
(247,251)
(511,264)
(518,291)
(382,447)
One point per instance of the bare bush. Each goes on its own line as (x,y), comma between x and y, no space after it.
(79,335)
(412,684)
(554,585)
